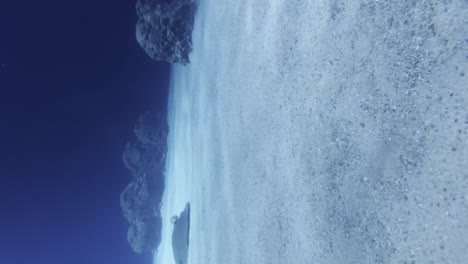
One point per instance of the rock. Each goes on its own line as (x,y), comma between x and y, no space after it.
(140,199)
(180,236)
(146,154)
(151,128)
(164,29)
(144,159)
(140,202)
(144,235)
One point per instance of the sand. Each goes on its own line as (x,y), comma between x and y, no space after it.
(322,132)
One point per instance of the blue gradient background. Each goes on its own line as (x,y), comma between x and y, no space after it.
(72,83)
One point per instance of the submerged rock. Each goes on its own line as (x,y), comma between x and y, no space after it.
(151,128)
(140,200)
(164,29)
(145,234)
(145,157)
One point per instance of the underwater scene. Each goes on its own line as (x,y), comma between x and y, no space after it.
(272,131)
(320,132)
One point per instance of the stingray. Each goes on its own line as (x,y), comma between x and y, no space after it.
(180,235)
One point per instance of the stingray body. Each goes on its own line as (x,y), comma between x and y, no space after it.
(180,236)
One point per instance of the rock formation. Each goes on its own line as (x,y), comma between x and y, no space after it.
(151,128)
(143,159)
(144,235)
(138,200)
(144,156)
(164,29)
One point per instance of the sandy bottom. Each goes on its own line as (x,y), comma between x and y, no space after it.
(322,132)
